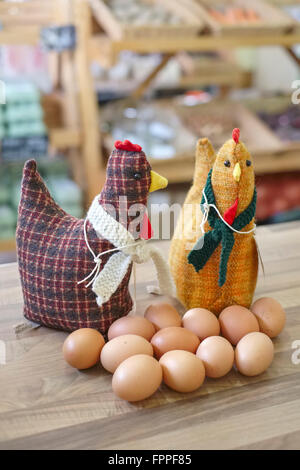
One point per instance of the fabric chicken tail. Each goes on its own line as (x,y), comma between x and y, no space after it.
(30,168)
(33,187)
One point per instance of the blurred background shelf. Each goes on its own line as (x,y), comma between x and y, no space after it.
(106,50)
(62,113)
(138,70)
(8,245)
(23,23)
(289,7)
(215,120)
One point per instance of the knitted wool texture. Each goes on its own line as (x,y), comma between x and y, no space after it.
(220,233)
(53,256)
(201,289)
(112,275)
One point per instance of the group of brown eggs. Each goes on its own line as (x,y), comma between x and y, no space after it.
(141,352)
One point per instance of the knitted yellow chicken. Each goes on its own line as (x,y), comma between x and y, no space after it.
(213,256)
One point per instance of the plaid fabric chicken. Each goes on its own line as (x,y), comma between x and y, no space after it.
(56,251)
(217,267)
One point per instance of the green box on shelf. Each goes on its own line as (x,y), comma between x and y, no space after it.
(21,92)
(8,218)
(26,129)
(23,112)
(2,131)
(4,191)
(57,167)
(65,191)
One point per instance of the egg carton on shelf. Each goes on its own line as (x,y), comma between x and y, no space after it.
(26,129)
(132,19)
(23,133)
(23,112)
(21,92)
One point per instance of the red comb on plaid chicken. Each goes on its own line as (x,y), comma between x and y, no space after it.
(53,252)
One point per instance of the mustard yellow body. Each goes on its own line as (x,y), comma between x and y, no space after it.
(229,181)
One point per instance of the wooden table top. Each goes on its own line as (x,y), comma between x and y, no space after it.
(46,404)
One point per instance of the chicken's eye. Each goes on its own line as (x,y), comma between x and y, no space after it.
(227,163)
(137,176)
(248,162)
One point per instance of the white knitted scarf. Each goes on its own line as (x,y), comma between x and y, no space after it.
(105,282)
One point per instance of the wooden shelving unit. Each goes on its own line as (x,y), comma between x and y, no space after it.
(111,48)
(180,169)
(22,23)
(71,69)
(7,245)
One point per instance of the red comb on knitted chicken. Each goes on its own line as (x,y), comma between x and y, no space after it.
(236,135)
(127,145)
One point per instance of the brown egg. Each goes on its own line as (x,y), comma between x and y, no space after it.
(172,338)
(270,315)
(120,348)
(162,315)
(236,322)
(137,378)
(254,354)
(202,322)
(217,355)
(182,371)
(82,348)
(131,325)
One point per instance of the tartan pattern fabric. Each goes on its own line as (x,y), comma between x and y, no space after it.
(53,255)
(122,168)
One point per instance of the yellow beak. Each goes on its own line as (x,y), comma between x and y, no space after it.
(237,172)
(157,182)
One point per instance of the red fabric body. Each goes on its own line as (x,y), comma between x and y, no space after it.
(53,255)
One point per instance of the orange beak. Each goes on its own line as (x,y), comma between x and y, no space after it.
(237,172)
(157,182)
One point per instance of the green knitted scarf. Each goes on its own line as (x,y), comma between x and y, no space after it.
(220,233)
